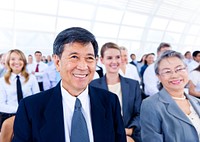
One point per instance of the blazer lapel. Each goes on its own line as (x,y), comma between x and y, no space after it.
(125,96)
(103,84)
(98,115)
(53,128)
(172,107)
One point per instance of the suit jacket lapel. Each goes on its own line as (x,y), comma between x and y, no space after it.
(172,107)
(125,96)
(103,84)
(53,128)
(98,115)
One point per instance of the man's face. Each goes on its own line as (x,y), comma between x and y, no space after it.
(38,57)
(133,57)
(30,59)
(197,58)
(163,49)
(76,66)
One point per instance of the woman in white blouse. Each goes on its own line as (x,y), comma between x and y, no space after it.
(16,65)
(194,84)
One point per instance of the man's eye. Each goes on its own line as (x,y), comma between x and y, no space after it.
(74,57)
(90,58)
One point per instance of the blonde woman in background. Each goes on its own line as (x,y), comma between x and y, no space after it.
(16,66)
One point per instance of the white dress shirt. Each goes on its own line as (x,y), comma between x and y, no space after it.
(131,72)
(8,92)
(68,110)
(195,78)
(30,68)
(49,77)
(42,67)
(192,65)
(150,81)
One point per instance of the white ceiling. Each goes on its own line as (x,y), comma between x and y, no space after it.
(139,25)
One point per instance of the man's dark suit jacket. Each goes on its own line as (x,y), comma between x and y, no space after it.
(131,102)
(40,117)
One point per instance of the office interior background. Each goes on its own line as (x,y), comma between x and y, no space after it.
(139,25)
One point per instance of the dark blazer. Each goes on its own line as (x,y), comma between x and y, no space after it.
(163,121)
(131,101)
(40,117)
(100,71)
(133,63)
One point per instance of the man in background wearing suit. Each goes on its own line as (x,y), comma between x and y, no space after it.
(47,116)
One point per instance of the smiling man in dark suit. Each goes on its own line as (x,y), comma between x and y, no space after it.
(47,116)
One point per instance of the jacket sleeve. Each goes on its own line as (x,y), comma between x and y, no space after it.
(22,125)
(150,123)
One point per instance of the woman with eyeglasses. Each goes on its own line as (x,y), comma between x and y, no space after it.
(171,115)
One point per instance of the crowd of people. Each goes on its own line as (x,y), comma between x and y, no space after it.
(151,100)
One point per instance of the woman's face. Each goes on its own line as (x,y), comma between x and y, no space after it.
(173,74)
(16,63)
(111,60)
(150,59)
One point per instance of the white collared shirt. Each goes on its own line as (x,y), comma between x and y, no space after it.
(131,72)
(42,67)
(68,102)
(150,81)
(8,92)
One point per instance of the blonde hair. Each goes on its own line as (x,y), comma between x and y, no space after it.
(9,70)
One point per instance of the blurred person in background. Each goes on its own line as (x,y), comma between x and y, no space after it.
(148,61)
(30,66)
(151,82)
(188,57)
(39,68)
(141,62)
(2,64)
(194,83)
(133,60)
(127,70)
(9,99)
(195,62)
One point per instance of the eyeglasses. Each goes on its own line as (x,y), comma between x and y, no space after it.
(168,72)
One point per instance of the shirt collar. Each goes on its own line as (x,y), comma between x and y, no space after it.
(83,97)
(13,76)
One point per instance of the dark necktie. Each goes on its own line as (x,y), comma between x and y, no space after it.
(19,90)
(37,68)
(79,132)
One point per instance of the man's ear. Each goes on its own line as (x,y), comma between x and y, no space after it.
(56,60)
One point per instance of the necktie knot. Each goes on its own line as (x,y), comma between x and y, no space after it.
(37,68)
(17,76)
(77,104)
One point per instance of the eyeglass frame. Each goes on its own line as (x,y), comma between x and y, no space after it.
(170,72)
